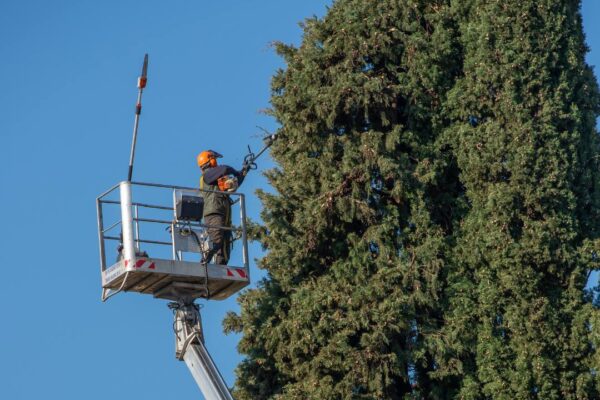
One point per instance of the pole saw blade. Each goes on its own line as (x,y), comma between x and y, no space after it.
(143,79)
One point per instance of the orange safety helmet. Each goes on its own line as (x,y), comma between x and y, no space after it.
(208,158)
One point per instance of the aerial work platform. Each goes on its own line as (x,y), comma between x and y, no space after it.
(160,245)
(151,249)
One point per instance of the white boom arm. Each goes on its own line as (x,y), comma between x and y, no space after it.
(205,373)
(189,347)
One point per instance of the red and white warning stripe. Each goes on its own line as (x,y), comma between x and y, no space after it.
(235,272)
(142,263)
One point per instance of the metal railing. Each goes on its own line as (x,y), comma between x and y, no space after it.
(130,239)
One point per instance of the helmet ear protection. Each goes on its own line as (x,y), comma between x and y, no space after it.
(213,159)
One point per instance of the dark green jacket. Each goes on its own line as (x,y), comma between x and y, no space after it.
(214,203)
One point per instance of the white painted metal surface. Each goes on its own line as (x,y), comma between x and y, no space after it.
(186,239)
(205,373)
(127,221)
(173,280)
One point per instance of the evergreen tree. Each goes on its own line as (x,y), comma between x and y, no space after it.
(435,215)
(518,323)
(356,231)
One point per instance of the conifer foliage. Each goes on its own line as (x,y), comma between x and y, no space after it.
(354,237)
(435,208)
(524,136)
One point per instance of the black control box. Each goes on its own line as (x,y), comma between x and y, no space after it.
(189,208)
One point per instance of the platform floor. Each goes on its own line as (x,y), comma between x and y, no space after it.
(174,280)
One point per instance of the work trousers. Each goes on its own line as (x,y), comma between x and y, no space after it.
(220,238)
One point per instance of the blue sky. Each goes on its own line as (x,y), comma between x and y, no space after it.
(68,71)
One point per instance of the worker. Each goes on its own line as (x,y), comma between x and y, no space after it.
(218,180)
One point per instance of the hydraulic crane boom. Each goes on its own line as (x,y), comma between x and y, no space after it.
(189,347)
(206,373)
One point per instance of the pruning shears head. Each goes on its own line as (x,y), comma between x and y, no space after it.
(249,160)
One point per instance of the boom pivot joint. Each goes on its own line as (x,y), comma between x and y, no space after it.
(187,326)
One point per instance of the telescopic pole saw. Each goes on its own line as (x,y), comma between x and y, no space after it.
(142,80)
